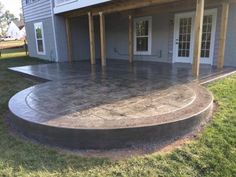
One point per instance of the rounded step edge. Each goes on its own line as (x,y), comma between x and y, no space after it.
(97,139)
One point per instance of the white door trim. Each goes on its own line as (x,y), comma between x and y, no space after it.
(209,60)
(212,12)
(176,36)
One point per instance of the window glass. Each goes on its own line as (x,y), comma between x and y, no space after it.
(142,43)
(38,32)
(143,35)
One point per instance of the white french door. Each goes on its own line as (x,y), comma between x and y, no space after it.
(184,37)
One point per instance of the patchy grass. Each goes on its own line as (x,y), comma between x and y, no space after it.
(212,154)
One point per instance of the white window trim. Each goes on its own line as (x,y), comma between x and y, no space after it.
(149,52)
(43,39)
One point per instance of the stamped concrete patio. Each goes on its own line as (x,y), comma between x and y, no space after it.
(89,107)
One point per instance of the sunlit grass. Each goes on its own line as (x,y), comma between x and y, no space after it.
(9,44)
(13,53)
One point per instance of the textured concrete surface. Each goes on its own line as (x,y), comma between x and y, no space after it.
(118,68)
(86,103)
(93,107)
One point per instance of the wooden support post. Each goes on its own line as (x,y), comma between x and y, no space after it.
(131,39)
(223,33)
(198,36)
(103,38)
(69,41)
(91,39)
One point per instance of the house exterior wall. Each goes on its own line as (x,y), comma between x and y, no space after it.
(230,52)
(80,38)
(116,35)
(36,10)
(40,11)
(61,38)
(117,38)
(48,39)
(162,37)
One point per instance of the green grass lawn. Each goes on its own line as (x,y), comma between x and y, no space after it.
(212,154)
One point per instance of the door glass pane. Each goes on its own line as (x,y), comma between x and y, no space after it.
(206,36)
(142,44)
(185,28)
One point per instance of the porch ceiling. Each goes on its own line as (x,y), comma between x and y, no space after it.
(117,6)
(130,5)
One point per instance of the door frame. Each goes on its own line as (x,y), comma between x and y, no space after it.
(209,60)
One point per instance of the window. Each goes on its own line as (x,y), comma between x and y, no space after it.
(143,36)
(39,37)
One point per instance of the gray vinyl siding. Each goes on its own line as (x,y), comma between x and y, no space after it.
(117,38)
(230,52)
(61,38)
(48,39)
(37,10)
(80,38)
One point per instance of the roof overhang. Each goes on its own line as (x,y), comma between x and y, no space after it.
(111,6)
(76,5)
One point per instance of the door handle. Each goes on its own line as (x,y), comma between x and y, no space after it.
(177,41)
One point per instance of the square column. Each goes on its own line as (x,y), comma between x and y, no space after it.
(69,41)
(91,39)
(223,34)
(131,37)
(103,38)
(198,37)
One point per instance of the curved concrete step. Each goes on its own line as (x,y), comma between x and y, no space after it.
(105,115)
